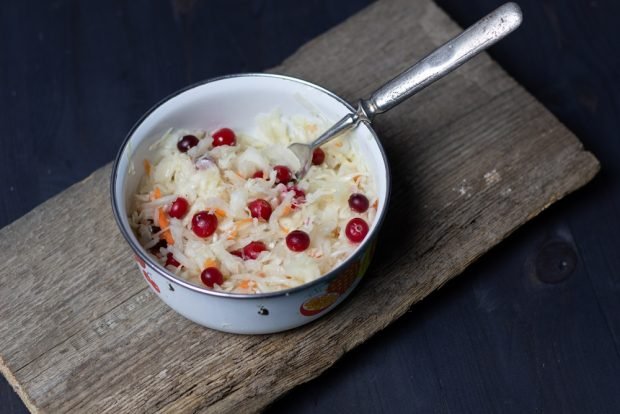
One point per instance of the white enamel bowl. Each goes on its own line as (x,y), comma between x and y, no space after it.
(235,101)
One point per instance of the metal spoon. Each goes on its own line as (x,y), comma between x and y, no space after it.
(484,33)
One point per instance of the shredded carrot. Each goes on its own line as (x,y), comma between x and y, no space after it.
(164,223)
(262,274)
(232,235)
(338,144)
(210,263)
(166,235)
(357,179)
(287,210)
(156,194)
(315,254)
(311,128)
(336,232)
(147,167)
(238,223)
(375,204)
(284,228)
(246,284)
(220,213)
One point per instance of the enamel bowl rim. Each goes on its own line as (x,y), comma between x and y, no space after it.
(142,254)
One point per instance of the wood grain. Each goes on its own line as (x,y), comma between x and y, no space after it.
(473,158)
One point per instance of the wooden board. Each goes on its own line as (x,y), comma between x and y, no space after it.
(473,158)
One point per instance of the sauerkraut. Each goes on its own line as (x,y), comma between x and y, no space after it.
(224,180)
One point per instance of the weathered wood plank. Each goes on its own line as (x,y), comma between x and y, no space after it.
(473,158)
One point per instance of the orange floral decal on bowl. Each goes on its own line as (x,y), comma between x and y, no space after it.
(339,286)
(317,304)
(151,281)
(139,261)
(343,282)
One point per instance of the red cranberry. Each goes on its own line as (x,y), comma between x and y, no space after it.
(212,276)
(260,209)
(237,253)
(356,230)
(299,198)
(224,136)
(187,142)
(318,156)
(283,174)
(298,240)
(253,250)
(171,261)
(358,202)
(258,174)
(179,208)
(204,224)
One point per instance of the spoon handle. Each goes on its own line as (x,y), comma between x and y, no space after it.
(484,33)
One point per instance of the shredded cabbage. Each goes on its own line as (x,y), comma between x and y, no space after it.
(220,180)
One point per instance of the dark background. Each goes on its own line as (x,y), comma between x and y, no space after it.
(534,326)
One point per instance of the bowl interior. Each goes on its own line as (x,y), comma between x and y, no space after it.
(235,102)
